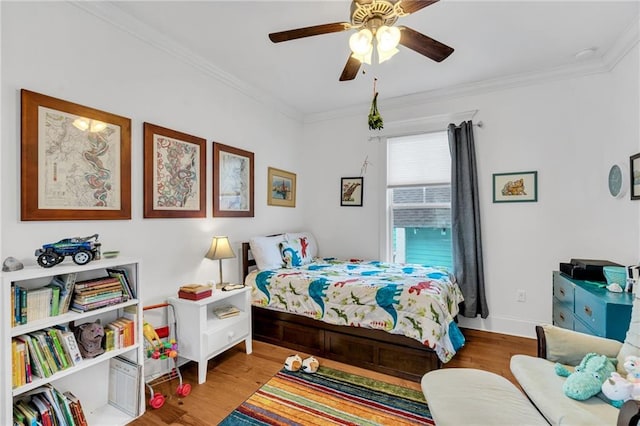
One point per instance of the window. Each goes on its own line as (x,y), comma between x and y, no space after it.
(419,199)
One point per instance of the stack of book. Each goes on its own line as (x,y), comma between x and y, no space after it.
(97,293)
(194,291)
(47,406)
(226,311)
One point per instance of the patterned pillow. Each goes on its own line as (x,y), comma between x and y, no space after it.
(298,250)
(266,251)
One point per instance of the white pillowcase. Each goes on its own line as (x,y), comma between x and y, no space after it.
(312,245)
(266,251)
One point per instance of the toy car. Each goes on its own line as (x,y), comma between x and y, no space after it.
(81,250)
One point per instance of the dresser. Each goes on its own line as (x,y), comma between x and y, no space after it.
(587,307)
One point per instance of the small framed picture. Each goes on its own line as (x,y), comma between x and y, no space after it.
(282,188)
(351,191)
(634,167)
(515,187)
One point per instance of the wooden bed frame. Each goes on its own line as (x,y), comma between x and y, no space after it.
(376,350)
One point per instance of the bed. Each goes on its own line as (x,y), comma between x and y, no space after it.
(395,319)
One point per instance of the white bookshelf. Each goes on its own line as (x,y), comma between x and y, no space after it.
(89,380)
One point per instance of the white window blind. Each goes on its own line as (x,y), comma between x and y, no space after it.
(418,160)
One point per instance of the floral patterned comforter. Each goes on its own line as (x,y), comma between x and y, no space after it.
(412,300)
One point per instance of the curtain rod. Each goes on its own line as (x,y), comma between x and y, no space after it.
(479,124)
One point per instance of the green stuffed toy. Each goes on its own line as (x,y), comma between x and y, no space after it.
(587,378)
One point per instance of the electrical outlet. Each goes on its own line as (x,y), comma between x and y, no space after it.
(521,296)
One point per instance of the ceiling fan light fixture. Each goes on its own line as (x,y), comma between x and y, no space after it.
(385,55)
(388,38)
(360,42)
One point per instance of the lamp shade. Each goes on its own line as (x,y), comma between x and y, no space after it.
(220,249)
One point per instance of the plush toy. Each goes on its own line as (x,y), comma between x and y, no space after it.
(293,363)
(89,337)
(587,378)
(632,367)
(617,389)
(310,365)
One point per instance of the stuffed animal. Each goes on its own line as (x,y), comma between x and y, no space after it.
(310,365)
(587,378)
(89,337)
(293,363)
(632,367)
(617,389)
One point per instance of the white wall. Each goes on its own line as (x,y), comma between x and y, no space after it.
(58,49)
(571,131)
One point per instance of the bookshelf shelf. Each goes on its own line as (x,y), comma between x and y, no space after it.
(74,378)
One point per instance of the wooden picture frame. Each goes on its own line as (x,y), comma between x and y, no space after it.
(175,174)
(351,191)
(634,174)
(233,192)
(75,161)
(515,187)
(281,190)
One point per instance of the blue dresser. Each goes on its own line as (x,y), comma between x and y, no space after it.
(586,307)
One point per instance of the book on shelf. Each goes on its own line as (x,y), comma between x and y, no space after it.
(76,409)
(54,301)
(36,357)
(226,311)
(122,275)
(70,346)
(124,383)
(65,284)
(84,307)
(39,303)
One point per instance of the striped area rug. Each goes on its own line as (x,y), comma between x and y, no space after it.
(330,397)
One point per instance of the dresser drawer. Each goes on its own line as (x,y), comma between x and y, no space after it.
(562,315)
(590,309)
(563,290)
(219,338)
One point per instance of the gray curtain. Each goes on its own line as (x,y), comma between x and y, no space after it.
(465,218)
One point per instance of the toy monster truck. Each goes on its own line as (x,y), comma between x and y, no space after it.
(81,250)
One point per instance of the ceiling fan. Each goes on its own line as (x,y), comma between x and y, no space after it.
(376,17)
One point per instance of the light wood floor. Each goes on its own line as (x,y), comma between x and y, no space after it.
(233,376)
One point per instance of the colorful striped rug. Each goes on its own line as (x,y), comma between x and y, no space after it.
(330,397)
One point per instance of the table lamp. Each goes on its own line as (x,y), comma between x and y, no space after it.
(220,249)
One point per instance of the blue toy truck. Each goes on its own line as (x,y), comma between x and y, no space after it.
(81,250)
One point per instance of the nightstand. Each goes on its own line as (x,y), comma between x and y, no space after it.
(202,335)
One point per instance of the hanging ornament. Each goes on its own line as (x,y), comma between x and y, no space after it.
(375,119)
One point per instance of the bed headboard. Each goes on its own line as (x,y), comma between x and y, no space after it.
(247,263)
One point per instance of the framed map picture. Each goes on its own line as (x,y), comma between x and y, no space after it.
(75,161)
(232,181)
(174,173)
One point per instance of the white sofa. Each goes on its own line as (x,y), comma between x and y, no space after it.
(474,397)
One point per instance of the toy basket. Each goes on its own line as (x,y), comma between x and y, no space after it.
(161,351)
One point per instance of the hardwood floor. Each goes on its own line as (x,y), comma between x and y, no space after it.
(233,376)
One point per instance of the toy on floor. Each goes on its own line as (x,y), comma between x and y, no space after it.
(293,362)
(310,365)
(587,379)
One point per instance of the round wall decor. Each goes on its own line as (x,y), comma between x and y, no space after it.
(617,181)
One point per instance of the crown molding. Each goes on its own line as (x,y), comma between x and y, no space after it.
(602,64)
(127,23)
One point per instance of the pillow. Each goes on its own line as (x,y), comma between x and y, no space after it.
(298,249)
(309,241)
(266,252)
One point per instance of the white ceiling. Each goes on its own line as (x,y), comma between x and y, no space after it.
(493,41)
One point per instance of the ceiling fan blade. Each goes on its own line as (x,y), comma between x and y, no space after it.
(309,31)
(410,6)
(424,45)
(350,69)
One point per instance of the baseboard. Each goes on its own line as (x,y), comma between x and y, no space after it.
(502,325)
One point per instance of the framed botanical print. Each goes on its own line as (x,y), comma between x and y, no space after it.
(75,161)
(232,181)
(174,174)
(282,188)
